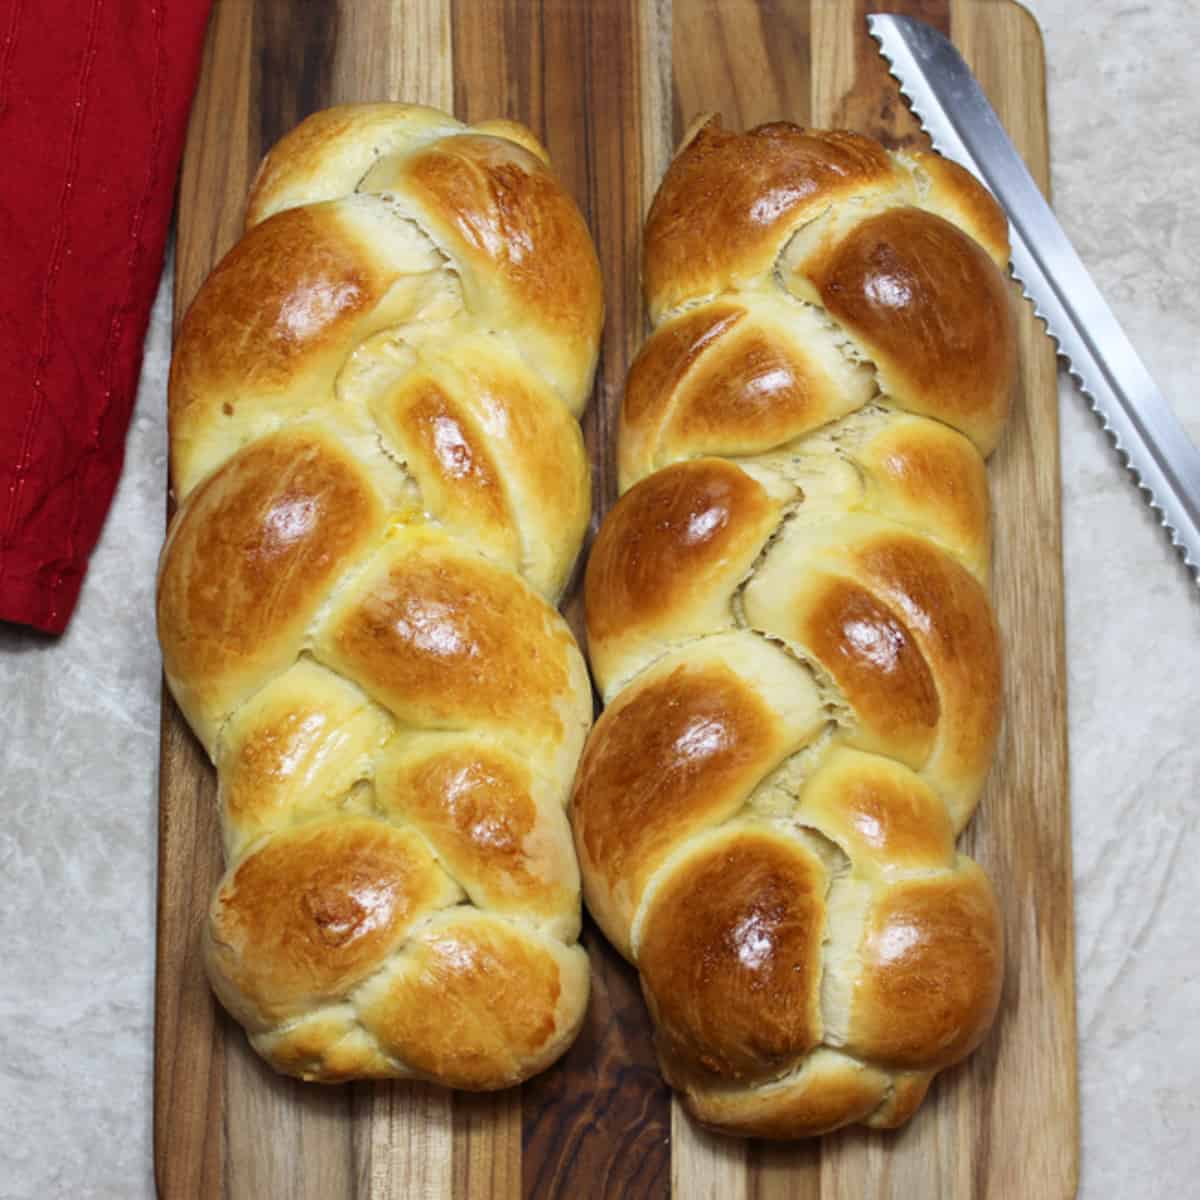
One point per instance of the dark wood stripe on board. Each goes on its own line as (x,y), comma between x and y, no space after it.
(294,46)
(873,103)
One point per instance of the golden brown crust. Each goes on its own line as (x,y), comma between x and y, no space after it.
(476,1004)
(901,269)
(875,662)
(960,641)
(714,723)
(954,193)
(327,1047)
(828,1091)
(382,490)
(271,328)
(442,639)
(756,390)
(497,198)
(513,131)
(908,1090)
(908,636)
(729,201)
(497,459)
(250,561)
(885,818)
(727,379)
(710,739)
(503,836)
(440,447)
(297,747)
(931,310)
(329,152)
(486,201)
(804,513)
(932,479)
(311,913)
(656,373)
(281,296)
(931,970)
(667,560)
(730,954)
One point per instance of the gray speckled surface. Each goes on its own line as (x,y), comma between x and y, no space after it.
(78,830)
(78,751)
(1124,94)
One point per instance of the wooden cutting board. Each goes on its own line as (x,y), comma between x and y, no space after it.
(609,86)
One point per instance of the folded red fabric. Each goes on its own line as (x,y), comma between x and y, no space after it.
(94,97)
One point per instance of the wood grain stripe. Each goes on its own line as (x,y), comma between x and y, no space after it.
(281,1137)
(218,148)
(783,1172)
(294,47)
(856,91)
(655,101)
(747,60)
(706,1166)
(403,54)
(402,1144)
(487,1146)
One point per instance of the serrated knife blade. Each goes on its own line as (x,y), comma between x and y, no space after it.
(952,108)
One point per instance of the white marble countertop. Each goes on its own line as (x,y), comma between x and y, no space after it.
(79,742)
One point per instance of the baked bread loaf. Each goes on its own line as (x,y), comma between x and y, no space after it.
(787,614)
(382,488)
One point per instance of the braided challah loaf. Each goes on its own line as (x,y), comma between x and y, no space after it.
(383,487)
(787,615)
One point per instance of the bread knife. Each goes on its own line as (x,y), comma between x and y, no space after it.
(1149,439)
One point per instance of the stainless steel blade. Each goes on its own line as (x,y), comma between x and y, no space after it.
(949,103)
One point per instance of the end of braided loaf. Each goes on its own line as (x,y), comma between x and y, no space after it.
(788,618)
(382,489)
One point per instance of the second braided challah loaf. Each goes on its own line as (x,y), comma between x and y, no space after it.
(382,488)
(788,617)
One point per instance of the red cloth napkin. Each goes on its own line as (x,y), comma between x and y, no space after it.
(94,97)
